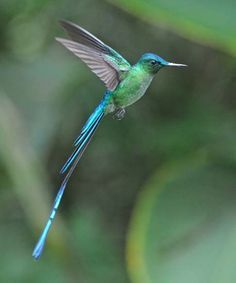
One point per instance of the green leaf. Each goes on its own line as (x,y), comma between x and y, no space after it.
(183,227)
(208,22)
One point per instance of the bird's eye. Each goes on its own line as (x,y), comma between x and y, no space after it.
(153,62)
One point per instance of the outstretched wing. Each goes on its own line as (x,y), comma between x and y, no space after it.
(104,61)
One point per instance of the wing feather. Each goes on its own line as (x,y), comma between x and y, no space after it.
(105,62)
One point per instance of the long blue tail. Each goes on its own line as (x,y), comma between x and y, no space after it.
(81,143)
(87,130)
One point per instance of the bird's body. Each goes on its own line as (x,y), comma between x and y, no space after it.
(132,88)
(125,84)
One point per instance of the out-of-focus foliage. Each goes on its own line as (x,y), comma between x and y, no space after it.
(211,22)
(184,214)
(183,229)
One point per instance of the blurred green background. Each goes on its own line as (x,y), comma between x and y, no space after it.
(154,198)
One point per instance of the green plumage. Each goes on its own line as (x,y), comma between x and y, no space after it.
(133,87)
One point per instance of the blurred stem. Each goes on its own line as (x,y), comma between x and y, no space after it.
(27,175)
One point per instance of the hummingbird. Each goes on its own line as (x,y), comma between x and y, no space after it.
(125,84)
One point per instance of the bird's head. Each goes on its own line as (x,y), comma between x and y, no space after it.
(153,63)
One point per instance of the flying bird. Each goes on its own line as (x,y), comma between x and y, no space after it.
(125,84)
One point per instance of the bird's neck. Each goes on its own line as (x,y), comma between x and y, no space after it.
(142,73)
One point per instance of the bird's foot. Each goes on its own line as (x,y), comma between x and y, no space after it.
(119,114)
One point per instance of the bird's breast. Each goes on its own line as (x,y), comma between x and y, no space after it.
(132,88)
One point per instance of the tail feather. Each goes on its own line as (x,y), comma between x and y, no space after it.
(83,140)
(98,111)
(42,240)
